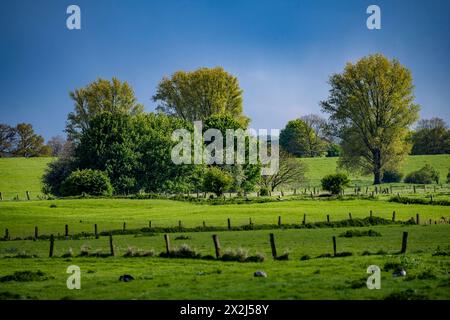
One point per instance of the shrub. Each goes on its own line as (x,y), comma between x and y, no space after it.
(426,175)
(56,172)
(335,183)
(358,233)
(390,176)
(87,181)
(217,181)
(264,192)
(333,150)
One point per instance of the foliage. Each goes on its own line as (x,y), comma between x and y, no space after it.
(372,105)
(335,183)
(217,181)
(431,137)
(426,175)
(113,96)
(57,145)
(7,139)
(56,172)
(390,176)
(301,139)
(87,181)
(199,94)
(334,150)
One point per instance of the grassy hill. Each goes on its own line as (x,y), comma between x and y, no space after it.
(18,175)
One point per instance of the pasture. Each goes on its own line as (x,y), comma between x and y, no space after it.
(305,275)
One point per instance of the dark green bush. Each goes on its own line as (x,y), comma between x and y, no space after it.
(87,181)
(335,183)
(264,192)
(426,175)
(390,176)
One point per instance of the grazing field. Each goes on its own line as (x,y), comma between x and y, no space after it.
(51,216)
(303,276)
(319,167)
(163,278)
(18,175)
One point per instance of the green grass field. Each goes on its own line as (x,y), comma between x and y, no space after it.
(168,278)
(18,175)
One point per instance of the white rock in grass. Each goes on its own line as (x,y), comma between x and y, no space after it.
(260,274)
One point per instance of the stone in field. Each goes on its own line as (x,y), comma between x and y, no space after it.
(260,274)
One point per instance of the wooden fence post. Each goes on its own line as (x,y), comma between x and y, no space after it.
(204,224)
(229,224)
(370,214)
(28,194)
(111,246)
(150,223)
(180,224)
(350,216)
(334,246)
(393,216)
(404,242)
(167,239)
(279,220)
(66,230)
(52,243)
(216,245)
(272,245)
(250,221)
(124,228)
(6,234)
(417,219)
(304,219)
(96,231)
(36,233)
(1,196)
(328,218)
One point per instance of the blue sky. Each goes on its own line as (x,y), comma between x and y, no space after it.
(282,52)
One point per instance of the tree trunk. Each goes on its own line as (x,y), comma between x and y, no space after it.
(377,167)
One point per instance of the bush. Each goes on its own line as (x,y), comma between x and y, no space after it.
(335,183)
(217,181)
(92,182)
(264,192)
(426,175)
(390,176)
(333,150)
(56,172)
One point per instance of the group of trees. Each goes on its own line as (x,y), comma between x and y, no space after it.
(370,106)
(22,141)
(112,134)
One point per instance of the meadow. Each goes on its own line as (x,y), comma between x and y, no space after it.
(305,275)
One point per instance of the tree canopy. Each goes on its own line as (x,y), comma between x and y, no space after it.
(100,96)
(431,137)
(199,94)
(372,105)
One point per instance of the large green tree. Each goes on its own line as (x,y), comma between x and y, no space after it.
(431,137)
(301,137)
(100,96)
(199,94)
(28,143)
(372,104)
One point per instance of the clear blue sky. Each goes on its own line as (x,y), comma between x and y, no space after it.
(282,51)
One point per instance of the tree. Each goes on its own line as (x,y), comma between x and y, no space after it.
(29,144)
(372,105)
(56,144)
(431,137)
(291,171)
(246,175)
(7,139)
(301,139)
(199,94)
(100,96)
(217,181)
(335,183)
